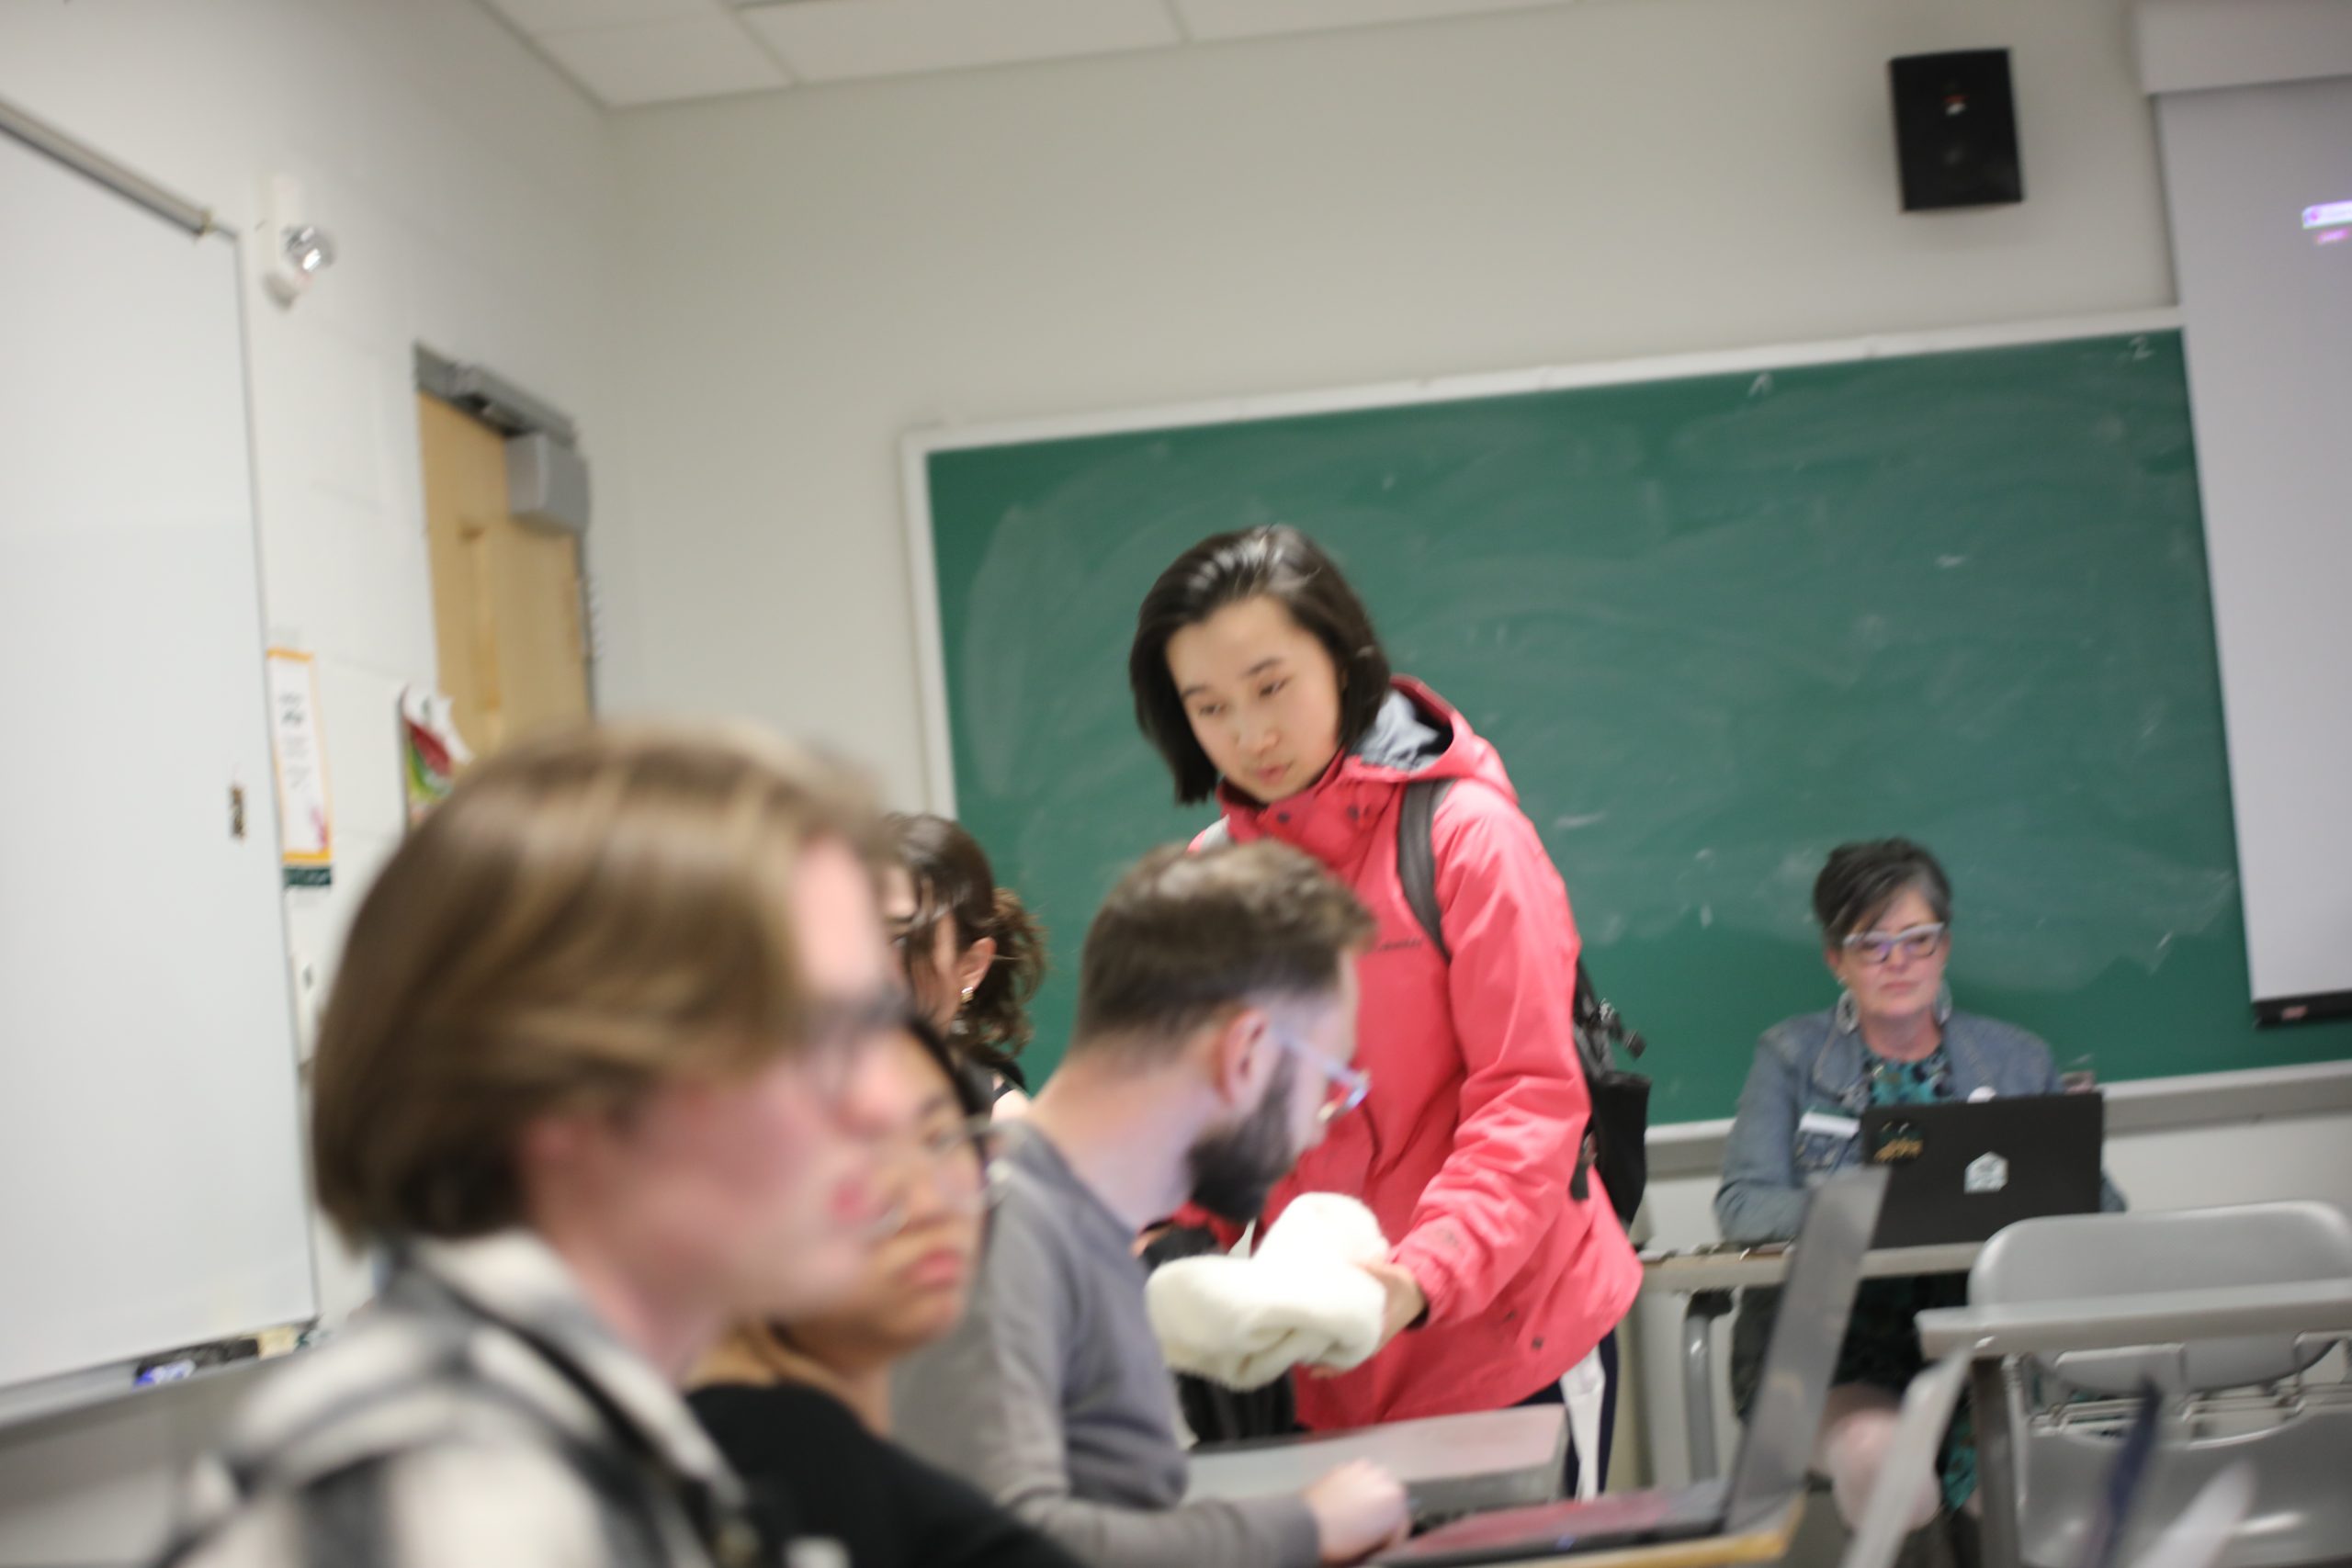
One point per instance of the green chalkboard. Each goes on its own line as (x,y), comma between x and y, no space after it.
(1715,625)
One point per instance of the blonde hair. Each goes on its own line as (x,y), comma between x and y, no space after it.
(588,915)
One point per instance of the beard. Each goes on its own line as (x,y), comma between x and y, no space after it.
(1235,1168)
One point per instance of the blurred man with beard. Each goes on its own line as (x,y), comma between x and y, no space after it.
(1216,1019)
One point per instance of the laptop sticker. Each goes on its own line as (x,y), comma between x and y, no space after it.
(1986,1173)
(1899,1143)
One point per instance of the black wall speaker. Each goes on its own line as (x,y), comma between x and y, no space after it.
(1956,129)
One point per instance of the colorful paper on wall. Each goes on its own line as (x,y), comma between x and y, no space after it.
(432,751)
(305,810)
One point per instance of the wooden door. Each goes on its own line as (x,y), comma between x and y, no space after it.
(506,602)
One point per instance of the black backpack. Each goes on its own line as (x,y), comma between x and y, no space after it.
(1616,1134)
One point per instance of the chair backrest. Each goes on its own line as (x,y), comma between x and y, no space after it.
(2108,1255)
(2200,1537)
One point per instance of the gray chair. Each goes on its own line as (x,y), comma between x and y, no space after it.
(2205,1529)
(2243,1399)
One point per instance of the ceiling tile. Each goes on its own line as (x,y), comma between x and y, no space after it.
(567,15)
(1209,19)
(653,62)
(828,40)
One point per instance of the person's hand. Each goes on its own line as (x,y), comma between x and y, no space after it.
(1359,1509)
(1405,1305)
(1402,1305)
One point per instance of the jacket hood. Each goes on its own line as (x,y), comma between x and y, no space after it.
(1416,735)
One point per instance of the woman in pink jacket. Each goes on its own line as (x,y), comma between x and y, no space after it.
(1258,676)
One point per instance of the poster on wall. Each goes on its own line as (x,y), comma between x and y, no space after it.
(305,815)
(432,751)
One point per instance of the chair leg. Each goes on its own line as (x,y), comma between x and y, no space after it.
(1997,1465)
(1966,1536)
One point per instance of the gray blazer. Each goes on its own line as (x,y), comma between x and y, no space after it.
(1808,1063)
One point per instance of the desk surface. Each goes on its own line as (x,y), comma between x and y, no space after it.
(1500,1444)
(2099,1323)
(1689,1272)
(1764,1545)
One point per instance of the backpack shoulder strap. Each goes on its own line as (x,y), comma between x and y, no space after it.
(1417,857)
(1587,1004)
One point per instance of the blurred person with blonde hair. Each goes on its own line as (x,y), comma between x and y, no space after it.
(603,1073)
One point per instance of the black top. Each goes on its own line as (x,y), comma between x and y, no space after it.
(813,1469)
(983,1085)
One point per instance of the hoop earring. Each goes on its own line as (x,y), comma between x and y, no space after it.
(1943,1002)
(1848,1013)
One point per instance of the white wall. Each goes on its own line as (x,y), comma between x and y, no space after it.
(472,195)
(814,272)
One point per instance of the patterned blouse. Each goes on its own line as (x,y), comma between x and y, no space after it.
(1882,1344)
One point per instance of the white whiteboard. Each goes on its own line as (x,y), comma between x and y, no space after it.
(152,1193)
(2265,295)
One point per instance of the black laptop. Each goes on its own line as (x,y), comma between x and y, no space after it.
(1961,1170)
(1825,1266)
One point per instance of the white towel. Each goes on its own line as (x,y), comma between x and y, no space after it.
(1301,1299)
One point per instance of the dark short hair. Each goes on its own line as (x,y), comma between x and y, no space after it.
(1184,938)
(1279,563)
(953,881)
(1861,880)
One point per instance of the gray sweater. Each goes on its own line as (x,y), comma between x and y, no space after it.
(1052,1397)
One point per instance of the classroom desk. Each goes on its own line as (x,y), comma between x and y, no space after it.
(1489,1459)
(1987,1335)
(1705,1279)
(1766,1544)
(1495,1445)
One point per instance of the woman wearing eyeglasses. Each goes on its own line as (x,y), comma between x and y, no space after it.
(1258,676)
(1893,1038)
(801,1409)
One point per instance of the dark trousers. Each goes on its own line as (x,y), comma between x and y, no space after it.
(1550,1395)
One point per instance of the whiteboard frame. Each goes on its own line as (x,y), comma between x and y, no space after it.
(2191,1100)
(36,1398)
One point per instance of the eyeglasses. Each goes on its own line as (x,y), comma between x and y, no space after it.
(836,1031)
(1348,1085)
(953,1157)
(1912,941)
